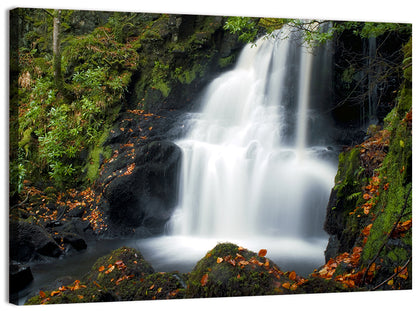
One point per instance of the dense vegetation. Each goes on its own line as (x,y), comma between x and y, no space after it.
(90,88)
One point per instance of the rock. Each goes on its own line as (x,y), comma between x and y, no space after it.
(74,240)
(161,286)
(332,248)
(229,271)
(147,194)
(19,277)
(29,241)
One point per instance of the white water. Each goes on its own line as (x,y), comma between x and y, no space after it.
(249,173)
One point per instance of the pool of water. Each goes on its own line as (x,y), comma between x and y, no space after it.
(174,253)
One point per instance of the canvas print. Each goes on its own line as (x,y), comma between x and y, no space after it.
(173,156)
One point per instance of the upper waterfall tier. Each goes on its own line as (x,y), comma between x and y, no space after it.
(251,165)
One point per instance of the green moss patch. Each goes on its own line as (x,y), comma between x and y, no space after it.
(229,271)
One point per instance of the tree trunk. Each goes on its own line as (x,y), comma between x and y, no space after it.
(57,70)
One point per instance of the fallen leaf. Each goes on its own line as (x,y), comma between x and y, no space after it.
(55,292)
(220,259)
(151,287)
(262,252)
(204,279)
(267,263)
(286,285)
(42,294)
(292,275)
(243,263)
(110,269)
(101,269)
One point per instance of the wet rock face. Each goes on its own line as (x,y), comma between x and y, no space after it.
(143,192)
(19,277)
(29,241)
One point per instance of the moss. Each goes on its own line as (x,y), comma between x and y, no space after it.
(349,171)
(226,61)
(316,285)
(163,87)
(221,274)
(93,164)
(161,286)
(113,277)
(396,174)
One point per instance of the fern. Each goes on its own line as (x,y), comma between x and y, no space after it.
(353,196)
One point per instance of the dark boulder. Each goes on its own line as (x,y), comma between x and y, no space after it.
(29,241)
(77,242)
(19,277)
(144,192)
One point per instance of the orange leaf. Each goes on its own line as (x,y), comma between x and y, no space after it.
(204,279)
(42,294)
(243,263)
(151,287)
(286,285)
(55,292)
(262,252)
(110,269)
(101,269)
(267,263)
(80,297)
(367,229)
(119,262)
(220,259)
(372,269)
(292,275)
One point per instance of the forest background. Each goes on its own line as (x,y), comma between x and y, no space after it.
(381,10)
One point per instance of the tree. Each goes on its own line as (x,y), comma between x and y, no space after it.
(56,48)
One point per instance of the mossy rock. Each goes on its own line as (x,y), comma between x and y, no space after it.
(317,285)
(114,277)
(119,271)
(161,286)
(229,271)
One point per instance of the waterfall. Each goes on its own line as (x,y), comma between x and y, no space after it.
(251,167)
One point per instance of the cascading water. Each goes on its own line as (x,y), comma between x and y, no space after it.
(250,174)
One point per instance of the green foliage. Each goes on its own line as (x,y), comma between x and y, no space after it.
(226,61)
(160,76)
(55,127)
(244,26)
